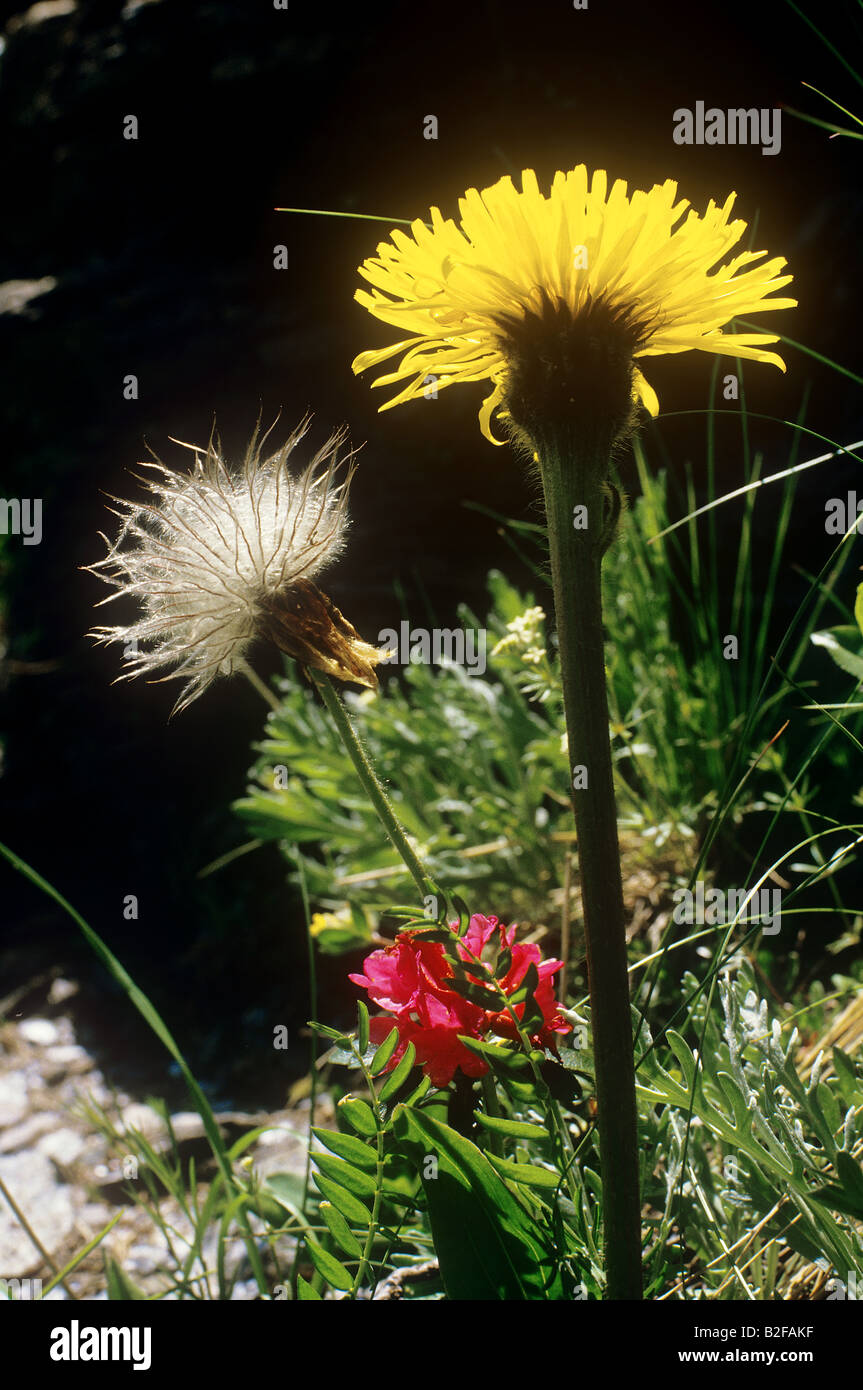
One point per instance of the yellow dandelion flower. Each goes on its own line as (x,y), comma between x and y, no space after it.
(583,258)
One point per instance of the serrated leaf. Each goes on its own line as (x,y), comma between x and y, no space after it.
(349,1205)
(354,1179)
(306,1293)
(359,1115)
(341,1231)
(347,1146)
(384,1052)
(516,1129)
(362,1026)
(326,1264)
(398,1077)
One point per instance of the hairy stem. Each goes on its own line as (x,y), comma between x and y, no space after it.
(574,474)
(375,792)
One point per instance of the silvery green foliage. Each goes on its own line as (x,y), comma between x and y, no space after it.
(792,1141)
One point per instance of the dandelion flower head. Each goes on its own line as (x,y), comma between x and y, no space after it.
(584,263)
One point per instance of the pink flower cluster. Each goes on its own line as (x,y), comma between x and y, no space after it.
(412,980)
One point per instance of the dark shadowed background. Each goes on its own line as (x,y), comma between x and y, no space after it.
(155,257)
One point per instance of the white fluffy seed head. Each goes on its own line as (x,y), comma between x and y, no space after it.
(213,547)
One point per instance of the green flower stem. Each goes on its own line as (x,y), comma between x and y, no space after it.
(262,688)
(574,474)
(375,792)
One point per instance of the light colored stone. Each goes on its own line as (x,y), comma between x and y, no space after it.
(25,1135)
(62,1146)
(41,1032)
(45,1202)
(13,1098)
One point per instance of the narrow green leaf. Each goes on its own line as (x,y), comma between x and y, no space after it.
(528,1174)
(849,662)
(341,1231)
(306,1293)
(82,1254)
(362,1026)
(354,1179)
(384,1052)
(837,1199)
(348,1147)
(504,961)
(326,1264)
(340,1039)
(422,1090)
(527,988)
(359,1115)
(401,1073)
(463,911)
(344,1201)
(850,1084)
(477,994)
(441,934)
(120,1287)
(517,1129)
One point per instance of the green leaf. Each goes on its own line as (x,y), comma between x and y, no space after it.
(344,1201)
(477,994)
(348,1147)
(288,1189)
(839,1199)
(326,1264)
(421,1090)
(845,660)
(850,1084)
(489,1246)
(359,1115)
(463,911)
(504,961)
(340,1039)
(528,1174)
(354,1179)
(517,1129)
(434,933)
(341,1231)
(858,607)
(306,1293)
(119,1285)
(384,1052)
(362,1027)
(527,988)
(401,1073)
